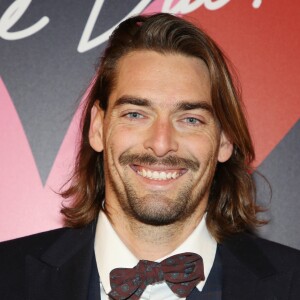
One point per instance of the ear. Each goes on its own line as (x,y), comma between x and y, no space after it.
(225,148)
(96,127)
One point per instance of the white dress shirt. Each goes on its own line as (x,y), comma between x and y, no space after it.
(112,253)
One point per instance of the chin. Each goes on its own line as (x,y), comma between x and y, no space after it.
(156,220)
(159,212)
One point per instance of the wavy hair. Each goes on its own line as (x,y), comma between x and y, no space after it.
(231,207)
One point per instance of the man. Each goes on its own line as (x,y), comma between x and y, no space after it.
(163,169)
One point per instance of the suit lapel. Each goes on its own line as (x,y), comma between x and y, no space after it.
(63,271)
(245,267)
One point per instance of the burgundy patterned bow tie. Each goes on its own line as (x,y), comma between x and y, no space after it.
(182,272)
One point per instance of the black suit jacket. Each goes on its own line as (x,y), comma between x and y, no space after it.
(57,264)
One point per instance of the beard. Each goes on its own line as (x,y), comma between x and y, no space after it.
(157,207)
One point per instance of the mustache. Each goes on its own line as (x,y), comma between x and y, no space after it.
(169,161)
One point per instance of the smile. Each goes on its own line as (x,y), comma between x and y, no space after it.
(160,175)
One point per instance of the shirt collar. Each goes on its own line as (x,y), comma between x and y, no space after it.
(112,253)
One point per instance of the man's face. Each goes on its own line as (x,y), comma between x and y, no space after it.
(160,138)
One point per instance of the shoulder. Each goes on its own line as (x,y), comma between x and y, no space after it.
(273,269)
(35,245)
(13,260)
(259,255)
(249,245)
(20,257)
(272,250)
(275,249)
(282,257)
(13,253)
(32,244)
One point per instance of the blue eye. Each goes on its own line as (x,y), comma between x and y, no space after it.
(192,121)
(134,115)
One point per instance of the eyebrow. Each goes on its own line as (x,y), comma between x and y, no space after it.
(132,100)
(185,105)
(179,106)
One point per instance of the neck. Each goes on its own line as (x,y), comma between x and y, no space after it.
(153,242)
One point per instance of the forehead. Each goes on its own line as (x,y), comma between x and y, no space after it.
(164,79)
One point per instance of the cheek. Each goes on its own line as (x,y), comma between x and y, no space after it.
(203,146)
(119,138)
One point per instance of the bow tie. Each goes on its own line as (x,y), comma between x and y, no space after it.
(182,272)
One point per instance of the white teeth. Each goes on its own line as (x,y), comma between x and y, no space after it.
(156,175)
(144,173)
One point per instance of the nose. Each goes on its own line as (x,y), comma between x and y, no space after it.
(161,138)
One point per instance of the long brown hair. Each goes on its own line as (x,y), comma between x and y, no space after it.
(231,207)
